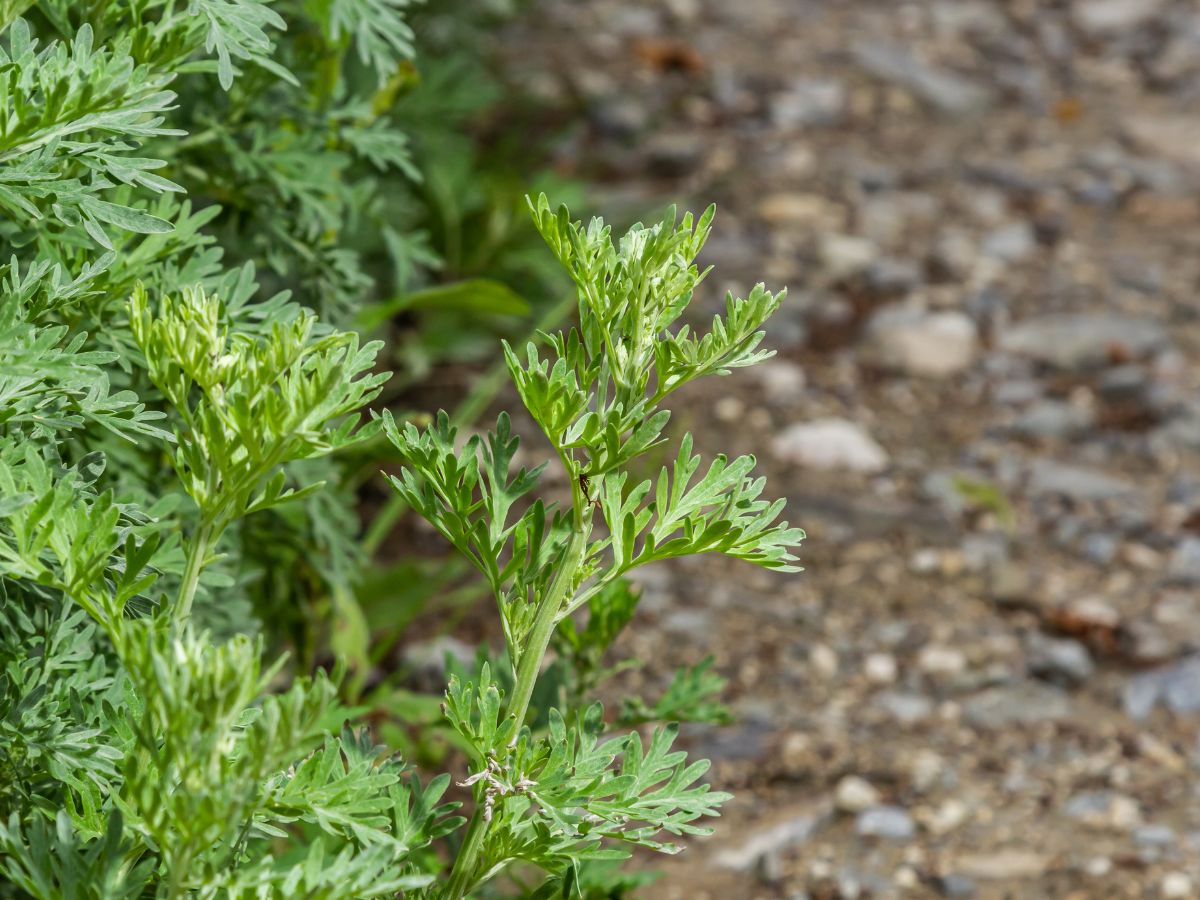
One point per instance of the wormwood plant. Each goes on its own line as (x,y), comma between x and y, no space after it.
(556,791)
(165,427)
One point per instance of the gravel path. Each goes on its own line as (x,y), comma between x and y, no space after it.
(984,410)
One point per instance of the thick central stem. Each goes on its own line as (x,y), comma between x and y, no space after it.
(197,552)
(543,628)
(463,874)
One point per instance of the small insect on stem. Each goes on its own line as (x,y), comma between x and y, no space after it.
(585,485)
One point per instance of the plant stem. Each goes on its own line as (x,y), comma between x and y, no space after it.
(197,552)
(464,862)
(543,627)
(461,876)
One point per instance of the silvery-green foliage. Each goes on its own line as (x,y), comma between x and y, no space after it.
(558,789)
(152,399)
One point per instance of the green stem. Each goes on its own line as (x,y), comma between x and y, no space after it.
(543,627)
(465,863)
(197,553)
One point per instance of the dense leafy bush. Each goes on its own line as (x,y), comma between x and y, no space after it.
(193,221)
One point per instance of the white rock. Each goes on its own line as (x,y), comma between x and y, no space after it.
(1098,866)
(926,561)
(824,660)
(1003,864)
(938,660)
(931,345)
(830,444)
(855,794)
(906,877)
(1177,885)
(729,409)
(946,818)
(927,770)
(880,668)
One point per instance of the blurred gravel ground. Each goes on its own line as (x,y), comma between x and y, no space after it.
(984,410)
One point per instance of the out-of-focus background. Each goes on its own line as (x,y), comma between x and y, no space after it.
(985,411)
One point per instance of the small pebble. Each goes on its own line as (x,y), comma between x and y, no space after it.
(955,885)
(887,822)
(824,660)
(938,660)
(947,817)
(1177,885)
(729,409)
(854,794)
(1098,866)
(880,668)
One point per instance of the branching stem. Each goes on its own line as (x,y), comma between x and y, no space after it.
(197,554)
(465,864)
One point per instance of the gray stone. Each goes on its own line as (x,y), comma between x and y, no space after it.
(843,255)
(915,342)
(674,154)
(1184,565)
(1053,420)
(809,102)
(1025,703)
(894,277)
(1017,392)
(1082,341)
(1050,478)
(1155,836)
(1172,137)
(694,622)
(948,92)
(985,551)
(620,117)
(1126,385)
(1059,660)
(830,444)
(956,885)
(789,833)
(1100,18)
(941,487)
(782,381)
(888,822)
(1104,810)
(1142,694)
(429,657)
(1176,685)
(905,708)
(1101,548)
(1011,244)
